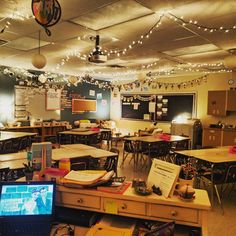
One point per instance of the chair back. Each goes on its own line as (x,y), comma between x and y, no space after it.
(7,146)
(159,149)
(231,174)
(112,162)
(128,146)
(106,135)
(80,163)
(3,174)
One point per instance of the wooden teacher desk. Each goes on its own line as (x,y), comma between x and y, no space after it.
(152,207)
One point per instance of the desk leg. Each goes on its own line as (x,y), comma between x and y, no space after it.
(204,223)
(212,185)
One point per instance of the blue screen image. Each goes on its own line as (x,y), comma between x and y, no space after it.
(26,200)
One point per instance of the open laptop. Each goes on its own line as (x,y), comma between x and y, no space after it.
(26,208)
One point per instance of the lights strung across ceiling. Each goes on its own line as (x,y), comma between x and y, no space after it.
(139,41)
(200,26)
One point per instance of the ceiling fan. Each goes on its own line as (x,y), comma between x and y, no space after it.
(97,55)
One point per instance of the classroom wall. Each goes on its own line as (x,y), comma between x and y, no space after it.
(217,81)
(89,91)
(36,102)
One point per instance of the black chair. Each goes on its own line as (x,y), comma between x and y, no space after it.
(1,146)
(106,135)
(4,174)
(96,140)
(7,146)
(52,138)
(109,163)
(218,178)
(16,144)
(83,139)
(80,163)
(65,138)
(112,162)
(128,149)
(25,143)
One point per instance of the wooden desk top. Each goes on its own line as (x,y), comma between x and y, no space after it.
(68,151)
(79,132)
(5,135)
(153,139)
(77,146)
(213,155)
(58,154)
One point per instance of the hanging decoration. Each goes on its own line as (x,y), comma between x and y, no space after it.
(138,97)
(153,84)
(47,13)
(39,60)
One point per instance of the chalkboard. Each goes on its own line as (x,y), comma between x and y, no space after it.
(166,107)
(137,107)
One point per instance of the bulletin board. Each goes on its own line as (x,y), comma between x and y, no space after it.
(53,99)
(167,106)
(84,105)
(137,107)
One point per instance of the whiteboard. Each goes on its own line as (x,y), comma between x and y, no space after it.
(53,99)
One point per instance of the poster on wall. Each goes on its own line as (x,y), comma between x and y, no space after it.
(53,99)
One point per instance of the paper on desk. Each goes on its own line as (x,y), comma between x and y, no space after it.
(163,175)
(85,176)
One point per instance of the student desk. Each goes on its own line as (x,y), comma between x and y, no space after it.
(69,151)
(152,207)
(213,156)
(149,140)
(5,135)
(85,135)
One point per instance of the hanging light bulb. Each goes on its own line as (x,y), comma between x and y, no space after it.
(39,60)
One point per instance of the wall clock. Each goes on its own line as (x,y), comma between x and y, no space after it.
(230,81)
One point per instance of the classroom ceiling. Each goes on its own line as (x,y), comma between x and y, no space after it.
(140,36)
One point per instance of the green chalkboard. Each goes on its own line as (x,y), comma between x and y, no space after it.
(167,106)
(136,106)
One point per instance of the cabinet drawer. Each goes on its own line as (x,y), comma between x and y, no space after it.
(82,200)
(123,206)
(174,213)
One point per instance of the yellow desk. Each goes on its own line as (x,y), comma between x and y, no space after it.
(151,207)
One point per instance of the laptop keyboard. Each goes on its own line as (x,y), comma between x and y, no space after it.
(15,229)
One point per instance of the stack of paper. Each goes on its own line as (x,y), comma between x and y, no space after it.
(83,177)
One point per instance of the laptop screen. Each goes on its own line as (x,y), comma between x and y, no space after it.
(27,198)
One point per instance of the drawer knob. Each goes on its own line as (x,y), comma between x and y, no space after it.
(124,206)
(173,213)
(80,200)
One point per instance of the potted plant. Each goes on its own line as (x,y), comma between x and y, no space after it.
(29,171)
(186,175)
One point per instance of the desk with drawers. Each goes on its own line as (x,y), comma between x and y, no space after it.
(150,207)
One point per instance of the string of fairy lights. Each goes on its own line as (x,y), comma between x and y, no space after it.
(204,28)
(140,40)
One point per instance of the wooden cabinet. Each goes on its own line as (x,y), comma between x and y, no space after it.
(221,101)
(229,137)
(212,137)
(218,137)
